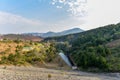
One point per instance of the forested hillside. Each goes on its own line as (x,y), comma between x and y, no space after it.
(96,49)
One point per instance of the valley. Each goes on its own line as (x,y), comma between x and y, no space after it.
(90,52)
(59,40)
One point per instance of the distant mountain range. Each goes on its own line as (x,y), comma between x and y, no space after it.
(39,36)
(53,34)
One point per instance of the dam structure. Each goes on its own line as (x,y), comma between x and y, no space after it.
(67,60)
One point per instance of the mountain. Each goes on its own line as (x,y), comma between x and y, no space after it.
(96,49)
(70,31)
(53,34)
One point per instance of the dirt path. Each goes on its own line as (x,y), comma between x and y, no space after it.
(32,73)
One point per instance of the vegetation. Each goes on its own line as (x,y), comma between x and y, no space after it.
(90,50)
(96,49)
(93,50)
(26,52)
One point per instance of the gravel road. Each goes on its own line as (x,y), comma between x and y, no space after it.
(33,73)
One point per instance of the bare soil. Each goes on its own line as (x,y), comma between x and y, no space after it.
(33,73)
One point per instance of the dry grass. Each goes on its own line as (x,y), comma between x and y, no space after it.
(10,47)
(7,48)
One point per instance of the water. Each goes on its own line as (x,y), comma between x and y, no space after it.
(65,58)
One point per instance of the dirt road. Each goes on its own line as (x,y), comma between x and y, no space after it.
(32,73)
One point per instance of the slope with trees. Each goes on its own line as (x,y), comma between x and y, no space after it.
(91,49)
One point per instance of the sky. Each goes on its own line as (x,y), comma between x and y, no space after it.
(23,16)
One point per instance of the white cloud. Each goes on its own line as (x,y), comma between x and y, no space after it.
(62,1)
(68,23)
(95,13)
(59,7)
(101,13)
(11,23)
(9,18)
(75,7)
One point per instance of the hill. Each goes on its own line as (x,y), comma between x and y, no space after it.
(53,34)
(21,37)
(18,52)
(96,49)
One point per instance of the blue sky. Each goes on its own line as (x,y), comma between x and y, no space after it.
(19,16)
(34,9)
